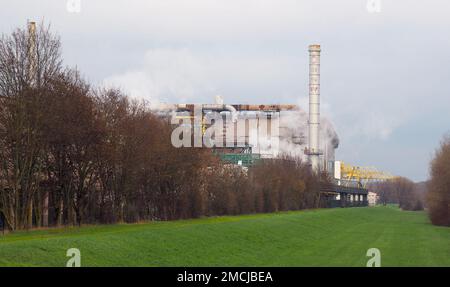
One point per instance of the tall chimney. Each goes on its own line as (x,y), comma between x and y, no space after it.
(32,61)
(314,106)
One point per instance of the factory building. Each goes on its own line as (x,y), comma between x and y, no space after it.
(259,131)
(245,133)
(372,198)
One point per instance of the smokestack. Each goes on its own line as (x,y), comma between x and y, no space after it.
(32,62)
(314,106)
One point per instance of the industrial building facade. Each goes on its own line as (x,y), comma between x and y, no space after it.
(243,134)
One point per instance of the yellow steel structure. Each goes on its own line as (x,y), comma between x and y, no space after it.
(363,175)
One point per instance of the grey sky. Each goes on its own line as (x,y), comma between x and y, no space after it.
(385,79)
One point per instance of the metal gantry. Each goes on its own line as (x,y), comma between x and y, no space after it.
(362,175)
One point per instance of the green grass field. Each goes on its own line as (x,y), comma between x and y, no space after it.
(325,237)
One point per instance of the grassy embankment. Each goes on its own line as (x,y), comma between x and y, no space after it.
(325,237)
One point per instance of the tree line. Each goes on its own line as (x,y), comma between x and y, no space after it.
(438,195)
(73,154)
(401,191)
(432,195)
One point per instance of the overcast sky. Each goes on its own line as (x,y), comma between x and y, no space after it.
(385,76)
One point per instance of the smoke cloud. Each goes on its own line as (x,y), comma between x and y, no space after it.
(173,75)
(294,135)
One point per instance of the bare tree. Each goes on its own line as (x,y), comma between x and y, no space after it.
(20,95)
(438,197)
(23,66)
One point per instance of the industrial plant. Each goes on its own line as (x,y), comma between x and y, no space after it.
(234,136)
(248,133)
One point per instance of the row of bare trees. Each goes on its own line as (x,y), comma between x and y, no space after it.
(71,154)
(271,185)
(401,191)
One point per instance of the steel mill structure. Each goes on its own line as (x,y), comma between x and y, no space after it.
(249,133)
